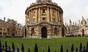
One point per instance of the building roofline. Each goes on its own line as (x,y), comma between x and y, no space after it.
(43,4)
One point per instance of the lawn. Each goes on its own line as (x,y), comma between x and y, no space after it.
(44,43)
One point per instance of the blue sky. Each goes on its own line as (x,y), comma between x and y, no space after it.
(15,9)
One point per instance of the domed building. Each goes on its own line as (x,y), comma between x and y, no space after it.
(44,19)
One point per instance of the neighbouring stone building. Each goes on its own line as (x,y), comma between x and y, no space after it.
(3,28)
(83,26)
(10,28)
(44,19)
(80,28)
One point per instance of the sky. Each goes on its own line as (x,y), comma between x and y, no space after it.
(15,9)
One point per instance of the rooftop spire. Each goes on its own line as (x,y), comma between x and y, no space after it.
(83,18)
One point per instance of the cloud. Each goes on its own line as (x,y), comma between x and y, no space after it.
(74,9)
(4,5)
(85,12)
(15,9)
(0,8)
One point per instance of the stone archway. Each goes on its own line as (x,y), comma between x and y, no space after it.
(44,32)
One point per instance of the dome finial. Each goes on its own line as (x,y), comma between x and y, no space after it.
(38,1)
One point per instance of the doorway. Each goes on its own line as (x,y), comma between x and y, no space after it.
(44,32)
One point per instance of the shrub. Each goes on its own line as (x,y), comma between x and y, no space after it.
(80,49)
(48,49)
(66,50)
(18,50)
(84,50)
(76,49)
(61,49)
(9,48)
(0,46)
(87,47)
(28,49)
(36,48)
(43,50)
(6,46)
(22,47)
(13,47)
(72,48)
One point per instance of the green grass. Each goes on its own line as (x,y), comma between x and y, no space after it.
(44,43)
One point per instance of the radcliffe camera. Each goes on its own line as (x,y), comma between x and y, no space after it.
(43,26)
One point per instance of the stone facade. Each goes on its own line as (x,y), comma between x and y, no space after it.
(10,28)
(44,19)
(78,29)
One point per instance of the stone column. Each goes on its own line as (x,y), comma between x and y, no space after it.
(51,14)
(56,16)
(49,32)
(60,32)
(37,15)
(61,19)
(48,14)
(39,18)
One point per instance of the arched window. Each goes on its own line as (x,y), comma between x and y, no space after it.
(55,31)
(43,11)
(53,19)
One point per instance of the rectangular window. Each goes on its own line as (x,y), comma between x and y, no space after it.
(43,11)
